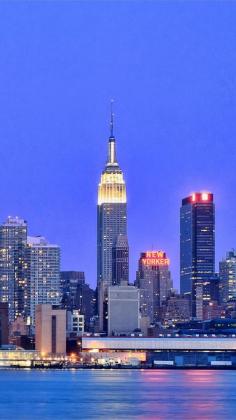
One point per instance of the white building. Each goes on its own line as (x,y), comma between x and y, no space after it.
(75,323)
(123,309)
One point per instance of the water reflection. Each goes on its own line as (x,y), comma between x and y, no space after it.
(113,394)
(203,376)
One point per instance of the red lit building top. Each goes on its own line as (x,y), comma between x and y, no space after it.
(198,197)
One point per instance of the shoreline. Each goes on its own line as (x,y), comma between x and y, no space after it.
(141,368)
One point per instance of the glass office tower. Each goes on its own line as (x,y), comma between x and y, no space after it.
(197,247)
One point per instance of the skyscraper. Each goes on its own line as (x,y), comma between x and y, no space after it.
(120,260)
(154,281)
(227,276)
(43,273)
(13,275)
(111,222)
(197,247)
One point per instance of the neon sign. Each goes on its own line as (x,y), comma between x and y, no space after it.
(155,258)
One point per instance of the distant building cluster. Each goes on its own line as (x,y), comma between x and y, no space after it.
(48,309)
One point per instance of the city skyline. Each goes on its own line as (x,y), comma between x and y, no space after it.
(117,216)
(174,93)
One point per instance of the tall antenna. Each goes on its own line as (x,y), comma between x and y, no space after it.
(112,119)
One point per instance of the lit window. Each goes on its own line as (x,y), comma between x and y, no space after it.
(204,196)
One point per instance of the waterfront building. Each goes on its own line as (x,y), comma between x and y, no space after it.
(13,267)
(11,355)
(111,222)
(154,281)
(197,247)
(120,260)
(78,295)
(227,274)
(123,309)
(50,329)
(43,274)
(75,323)
(162,351)
(4,329)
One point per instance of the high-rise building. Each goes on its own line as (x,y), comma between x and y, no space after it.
(111,222)
(13,276)
(50,329)
(43,274)
(154,281)
(197,247)
(78,295)
(227,276)
(120,260)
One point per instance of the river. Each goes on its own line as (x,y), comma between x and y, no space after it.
(117,394)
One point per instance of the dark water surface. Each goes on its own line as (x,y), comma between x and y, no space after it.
(118,394)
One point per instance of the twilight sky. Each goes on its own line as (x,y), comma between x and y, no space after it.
(171,68)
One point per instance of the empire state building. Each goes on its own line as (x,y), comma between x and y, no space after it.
(111,223)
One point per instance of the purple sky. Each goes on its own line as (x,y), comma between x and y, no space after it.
(171,67)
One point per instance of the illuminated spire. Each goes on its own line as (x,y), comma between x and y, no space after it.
(111,161)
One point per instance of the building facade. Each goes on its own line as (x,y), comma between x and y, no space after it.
(75,323)
(70,283)
(123,309)
(50,329)
(154,281)
(111,222)
(4,327)
(227,274)
(215,352)
(43,274)
(13,266)
(197,247)
(120,260)
(176,309)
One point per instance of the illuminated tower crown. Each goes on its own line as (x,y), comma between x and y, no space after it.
(112,187)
